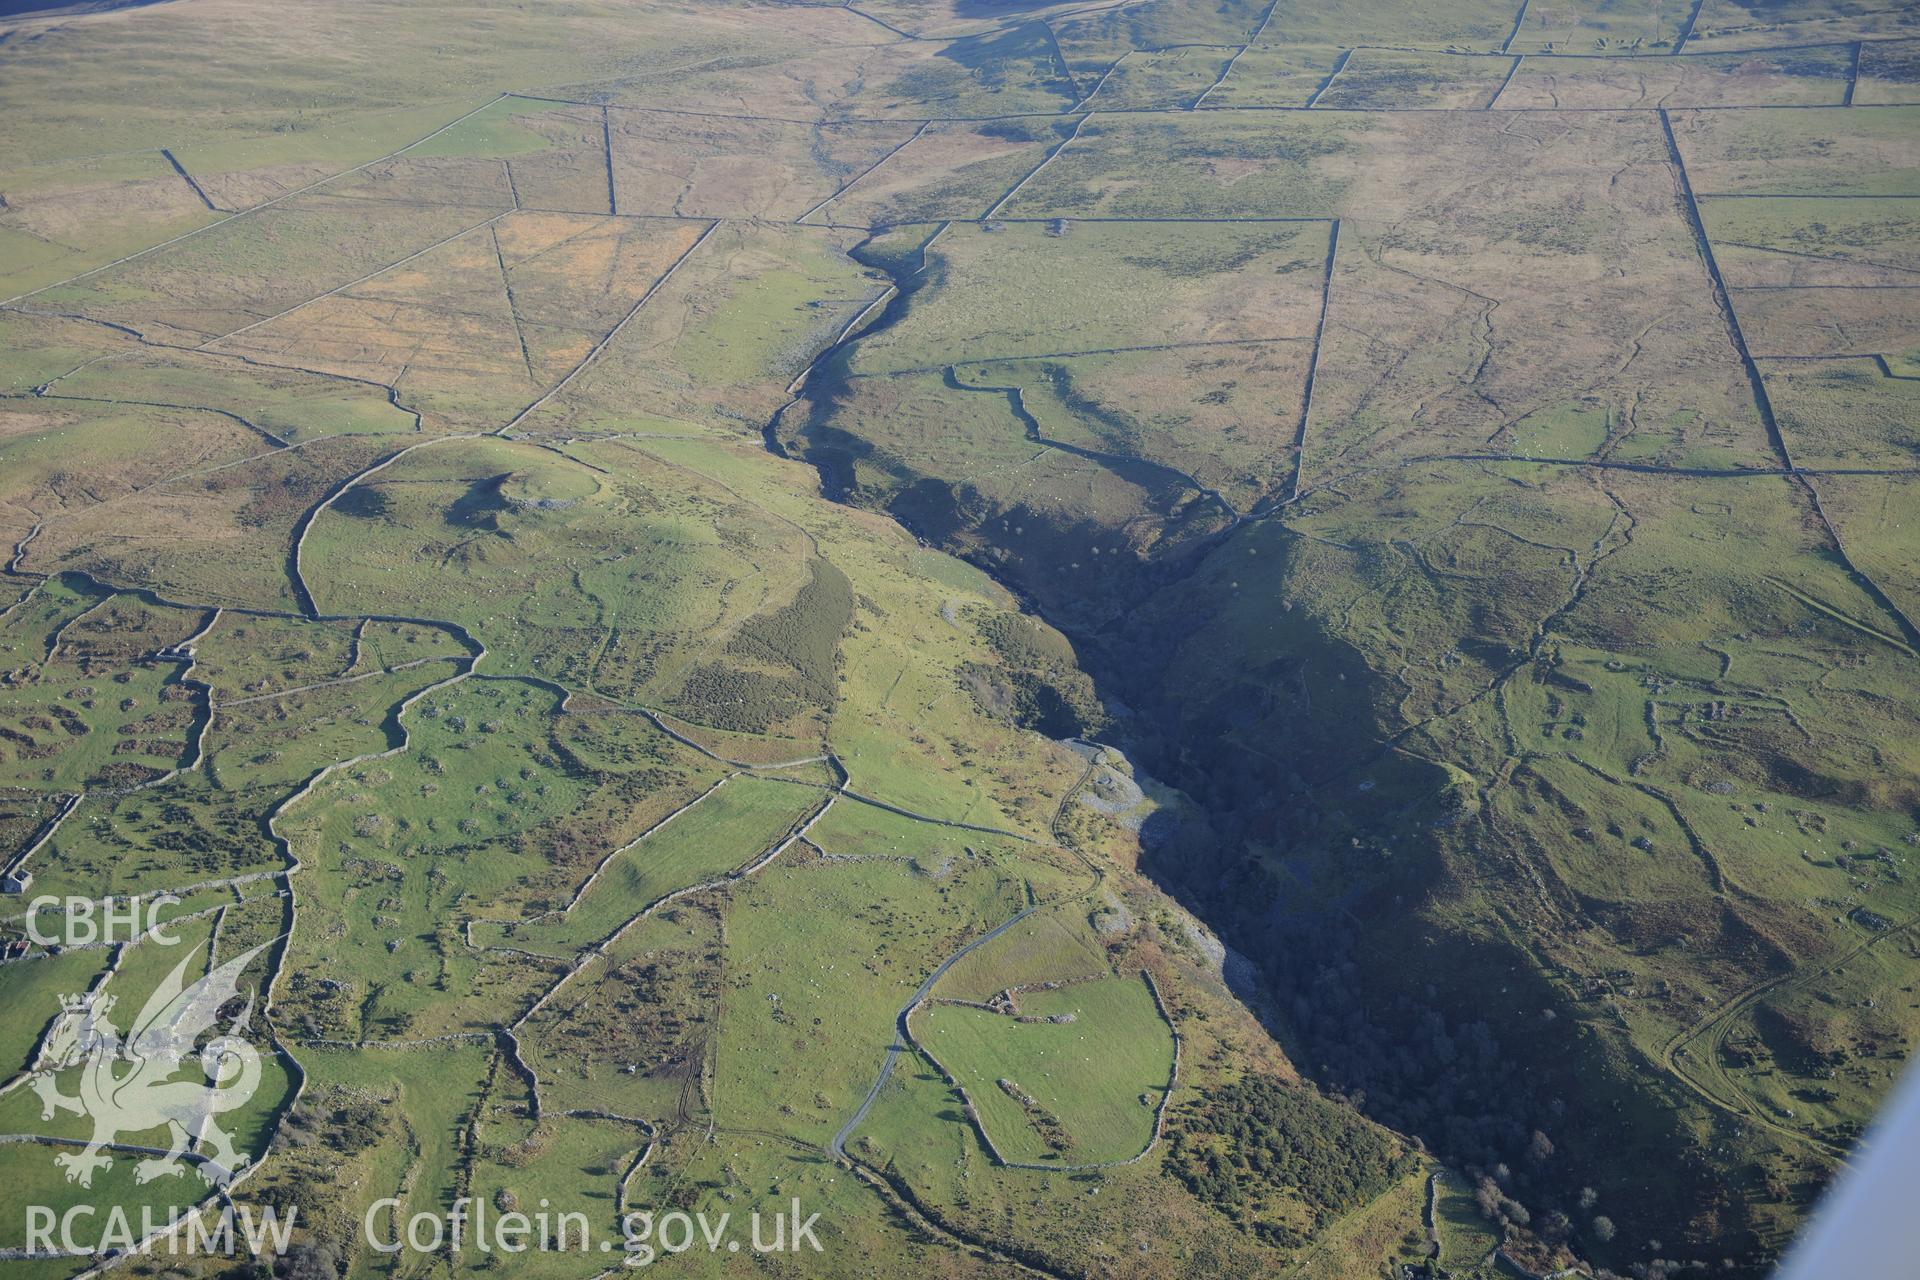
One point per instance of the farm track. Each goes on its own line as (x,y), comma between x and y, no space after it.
(902,1037)
(1717,1024)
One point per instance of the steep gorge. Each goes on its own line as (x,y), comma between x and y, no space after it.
(1388,908)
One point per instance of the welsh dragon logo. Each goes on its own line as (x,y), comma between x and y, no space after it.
(127,1086)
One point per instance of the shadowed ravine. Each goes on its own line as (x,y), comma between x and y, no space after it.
(1178,736)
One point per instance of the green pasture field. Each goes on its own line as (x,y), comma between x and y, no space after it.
(730,828)
(1050,946)
(632,1033)
(821,957)
(1843,413)
(1098,1078)
(1870,514)
(34,989)
(437,535)
(282,741)
(419,1104)
(1865,241)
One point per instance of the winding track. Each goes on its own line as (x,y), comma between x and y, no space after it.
(838,1146)
(902,1039)
(1716,1024)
